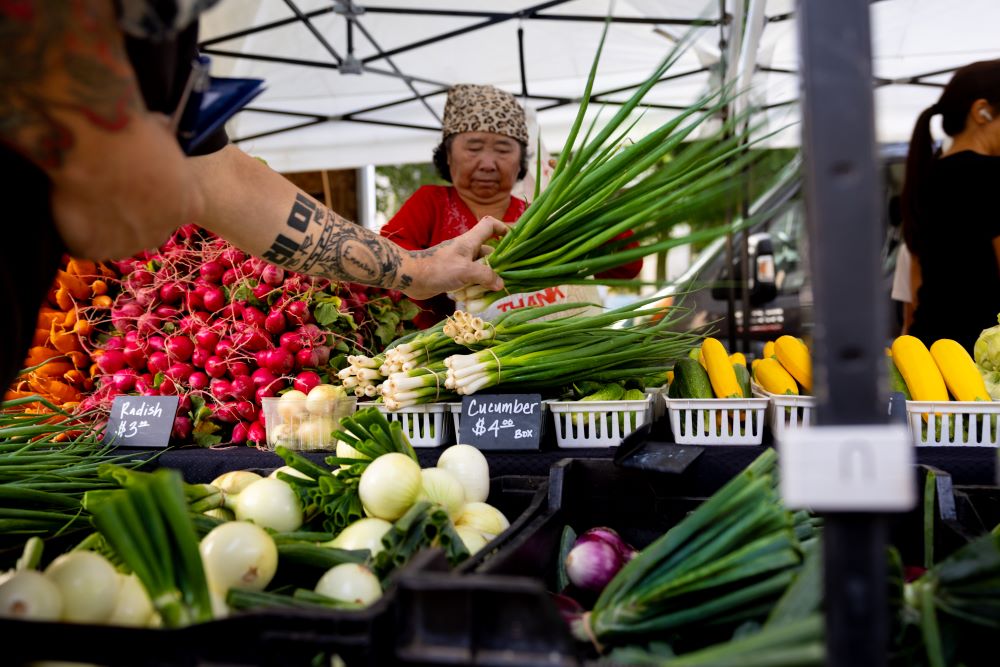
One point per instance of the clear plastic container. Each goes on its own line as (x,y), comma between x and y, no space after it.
(301,424)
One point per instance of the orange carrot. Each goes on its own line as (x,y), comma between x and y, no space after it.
(83,328)
(81,267)
(103,301)
(98,287)
(46,315)
(77,288)
(79,359)
(63,299)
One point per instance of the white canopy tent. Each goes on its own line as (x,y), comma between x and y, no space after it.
(373,93)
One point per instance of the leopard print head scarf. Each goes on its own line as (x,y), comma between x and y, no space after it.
(472,108)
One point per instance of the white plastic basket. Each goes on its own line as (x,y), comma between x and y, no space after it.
(455,409)
(954,423)
(598,423)
(424,425)
(717,421)
(787,411)
(659,395)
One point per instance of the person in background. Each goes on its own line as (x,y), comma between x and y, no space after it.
(951,221)
(93,168)
(483,153)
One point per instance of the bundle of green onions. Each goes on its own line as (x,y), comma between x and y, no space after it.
(607,186)
(423,525)
(333,501)
(727,562)
(47,462)
(149,527)
(580,347)
(957,603)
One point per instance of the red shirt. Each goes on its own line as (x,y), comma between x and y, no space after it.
(436,213)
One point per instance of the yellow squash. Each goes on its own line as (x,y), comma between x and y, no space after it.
(769,349)
(738,358)
(720,370)
(773,377)
(959,371)
(794,356)
(918,369)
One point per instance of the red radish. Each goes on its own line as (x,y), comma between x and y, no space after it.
(261,357)
(179,347)
(124,380)
(212,271)
(167,387)
(115,343)
(198,380)
(184,403)
(239,368)
(156,343)
(262,377)
(230,277)
(225,411)
(194,299)
(207,338)
(280,361)
(247,410)
(167,312)
(306,380)
(231,256)
(261,291)
(231,311)
(298,313)
(220,389)
(147,324)
(306,358)
(275,322)
(242,387)
(179,372)
(239,434)
(291,341)
(215,367)
(158,362)
(310,334)
(251,339)
(322,355)
(139,278)
(144,385)
(257,434)
(182,428)
(146,296)
(214,299)
(267,391)
(272,275)
(135,356)
(224,348)
(111,361)
(171,292)
(124,314)
(253,316)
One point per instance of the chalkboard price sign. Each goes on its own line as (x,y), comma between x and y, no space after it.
(501,421)
(141,421)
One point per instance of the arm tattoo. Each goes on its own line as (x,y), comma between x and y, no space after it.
(318,241)
(60,56)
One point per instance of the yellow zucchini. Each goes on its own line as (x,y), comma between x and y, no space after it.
(918,369)
(773,377)
(794,356)
(959,371)
(738,358)
(769,349)
(720,370)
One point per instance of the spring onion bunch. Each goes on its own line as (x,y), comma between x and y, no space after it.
(331,499)
(727,562)
(580,347)
(149,528)
(958,599)
(423,525)
(606,185)
(47,462)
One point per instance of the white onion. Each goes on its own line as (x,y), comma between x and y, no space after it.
(441,487)
(345,451)
(323,397)
(133,607)
(472,539)
(89,585)
(316,433)
(363,534)
(238,555)
(220,513)
(269,503)
(282,435)
(292,405)
(235,481)
(484,518)
(219,607)
(289,470)
(390,485)
(29,595)
(469,467)
(350,582)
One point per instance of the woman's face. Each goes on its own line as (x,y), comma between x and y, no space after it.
(484,165)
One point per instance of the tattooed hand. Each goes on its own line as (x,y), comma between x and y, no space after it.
(452,265)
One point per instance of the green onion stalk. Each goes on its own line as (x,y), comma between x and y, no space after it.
(364,375)
(608,193)
(726,563)
(149,527)
(424,525)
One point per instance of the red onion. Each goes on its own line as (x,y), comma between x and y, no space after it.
(611,536)
(590,565)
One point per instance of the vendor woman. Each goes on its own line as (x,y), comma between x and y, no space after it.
(483,153)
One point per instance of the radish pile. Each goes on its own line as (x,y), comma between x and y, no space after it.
(221,329)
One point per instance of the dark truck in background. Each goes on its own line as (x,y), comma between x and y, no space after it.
(780,292)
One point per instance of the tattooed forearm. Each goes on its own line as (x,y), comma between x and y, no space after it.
(60,58)
(318,241)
